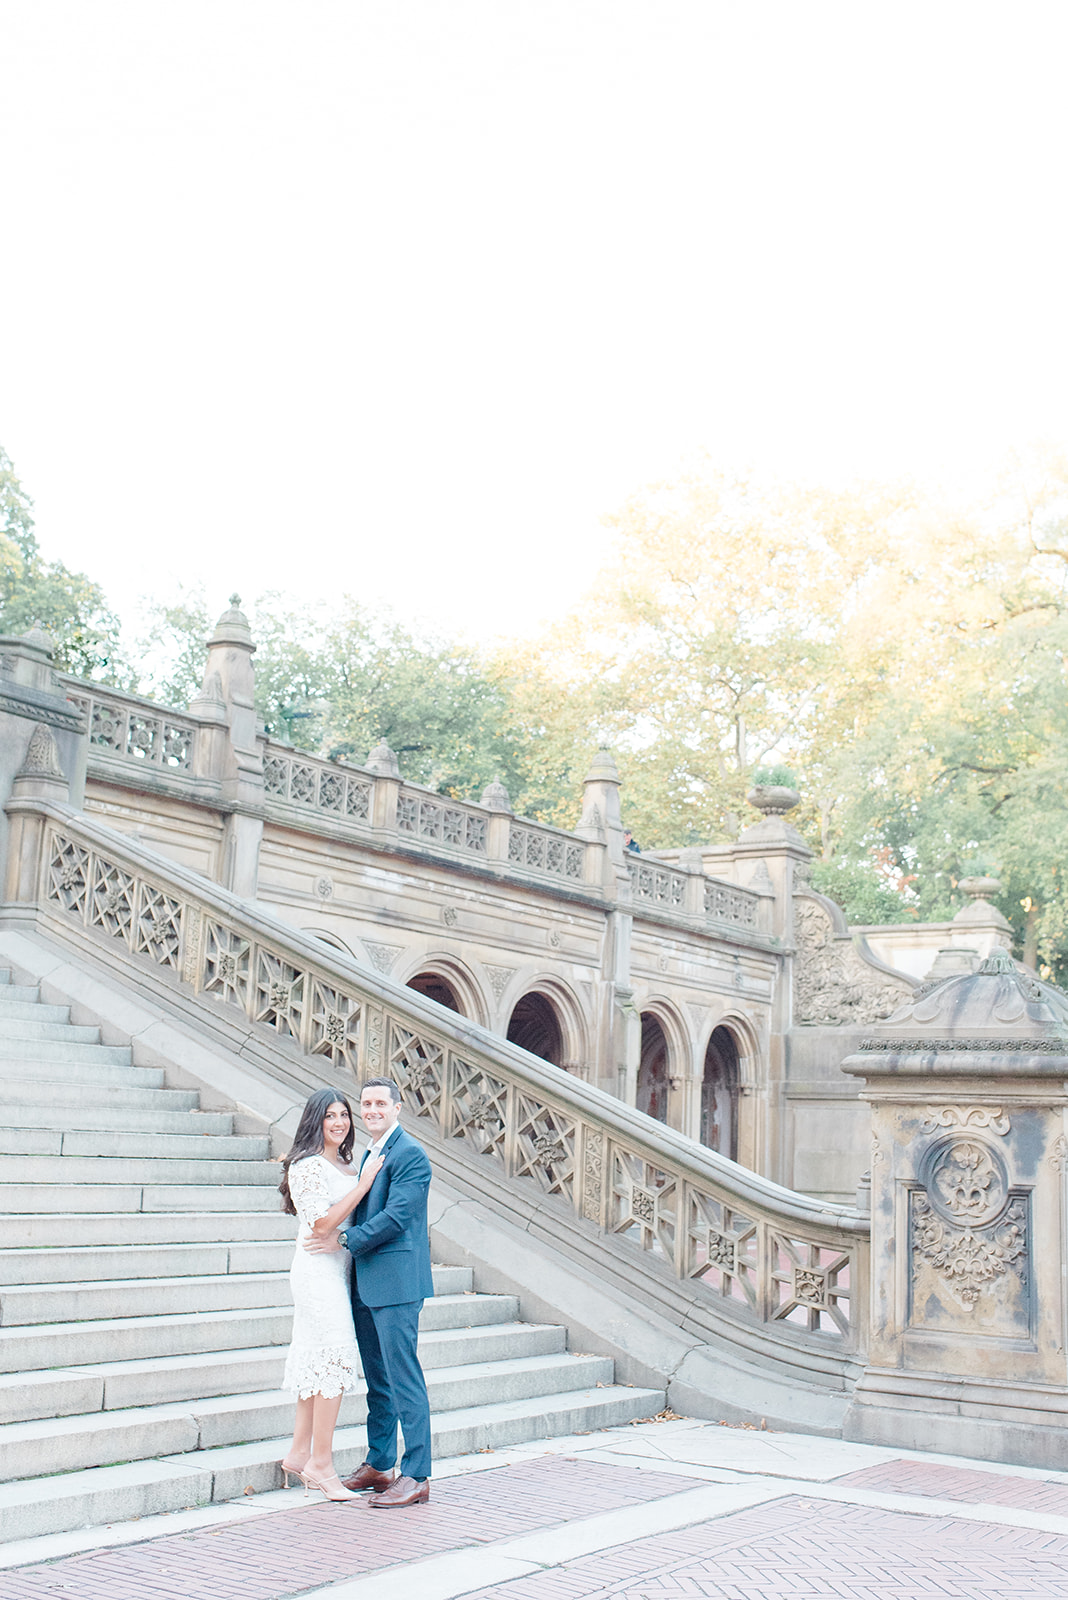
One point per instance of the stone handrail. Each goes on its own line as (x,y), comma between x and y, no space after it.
(537,848)
(768,1266)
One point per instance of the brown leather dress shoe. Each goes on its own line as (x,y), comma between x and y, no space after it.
(405,1492)
(368,1477)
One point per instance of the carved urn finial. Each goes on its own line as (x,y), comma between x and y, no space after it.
(773,799)
(384,761)
(495,797)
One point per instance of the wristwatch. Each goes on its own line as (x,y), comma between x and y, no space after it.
(343,1239)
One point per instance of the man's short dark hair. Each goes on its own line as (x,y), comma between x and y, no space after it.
(383,1083)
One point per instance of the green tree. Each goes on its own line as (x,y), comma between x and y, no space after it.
(35,593)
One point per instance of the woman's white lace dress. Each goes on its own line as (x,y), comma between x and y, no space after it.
(322,1358)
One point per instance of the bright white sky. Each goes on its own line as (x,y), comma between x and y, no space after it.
(399,298)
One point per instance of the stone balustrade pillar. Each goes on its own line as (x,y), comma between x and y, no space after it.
(968,1346)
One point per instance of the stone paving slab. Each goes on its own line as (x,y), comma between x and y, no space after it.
(962,1483)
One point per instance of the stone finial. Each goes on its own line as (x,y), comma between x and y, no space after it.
(233,628)
(980,888)
(39,638)
(979,909)
(691,859)
(42,758)
(603,768)
(773,799)
(383,761)
(495,797)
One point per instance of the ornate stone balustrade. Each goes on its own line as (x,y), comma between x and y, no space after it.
(335,789)
(546,850)
(754,1256)
(132,729)
(726,902)
(430,817)
(659,885)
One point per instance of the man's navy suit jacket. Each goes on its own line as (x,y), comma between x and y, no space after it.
(388,1239)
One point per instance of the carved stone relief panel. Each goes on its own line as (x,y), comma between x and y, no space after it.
(970,1242)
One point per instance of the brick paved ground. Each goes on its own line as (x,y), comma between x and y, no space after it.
(960,1483)
(794,1547)
(804,1549)
(284,1552)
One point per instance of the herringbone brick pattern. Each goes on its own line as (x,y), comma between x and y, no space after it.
(960,1483)
(796,1549)
(284,1552)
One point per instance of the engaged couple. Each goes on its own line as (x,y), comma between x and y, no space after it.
(358,1288)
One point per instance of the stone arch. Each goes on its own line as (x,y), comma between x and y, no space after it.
(749,1132)
(547,1020)
(448,982)
(720,1092)
(661,1062)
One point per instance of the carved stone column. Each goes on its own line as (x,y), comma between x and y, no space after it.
(43,739)
(967,1348)
(229,685)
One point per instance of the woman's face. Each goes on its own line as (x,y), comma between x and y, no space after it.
(336,1125)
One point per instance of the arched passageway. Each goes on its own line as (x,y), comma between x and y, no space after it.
(719,1094)
(535,1026)
(435,987)
(652,1095)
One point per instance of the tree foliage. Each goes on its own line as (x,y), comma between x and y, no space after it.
(35,593)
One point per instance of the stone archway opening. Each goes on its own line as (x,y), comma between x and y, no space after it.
(535,1026)
(435,987)
(652,1094)
(719,1094)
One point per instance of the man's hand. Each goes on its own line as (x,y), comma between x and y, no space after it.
(322,1247)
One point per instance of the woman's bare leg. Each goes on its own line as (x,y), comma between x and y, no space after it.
(299,1452)
(324,1420)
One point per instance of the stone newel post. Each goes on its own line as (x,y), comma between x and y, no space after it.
(230,747)
(969,1151)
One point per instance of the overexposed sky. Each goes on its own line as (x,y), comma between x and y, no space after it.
(399,298)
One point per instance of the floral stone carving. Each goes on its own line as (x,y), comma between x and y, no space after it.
(833,985)
(966,1223)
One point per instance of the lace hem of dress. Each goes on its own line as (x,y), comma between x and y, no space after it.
(328,1370)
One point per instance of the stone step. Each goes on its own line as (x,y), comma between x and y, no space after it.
(38,1027)
(94,1264)
(29,1010)
(32,1507)
(138,1338)
(19,993)
(28,1198)
(26,1305)
(118,1119)
(126,1170)
(71,1444)
(115,1385)
(54,1231)
(55,1054)
(97,1097)
(129,1146)
(88,1072)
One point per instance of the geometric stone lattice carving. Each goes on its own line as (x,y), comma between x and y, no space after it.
(335,1026)
(544,1146)
(722,1250)
(159,926)
(417,1064)
(810,1284)
(226,964)
(643,1202)
(478,1108)
(279,995)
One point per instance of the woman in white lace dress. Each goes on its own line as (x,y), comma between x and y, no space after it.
(320,1186)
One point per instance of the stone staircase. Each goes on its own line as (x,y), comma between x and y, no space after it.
(144,1302)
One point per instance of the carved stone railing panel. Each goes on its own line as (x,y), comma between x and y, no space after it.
(326,786)
(726,902)
(547,850)
(444,822)
(660,886)
(132,729)
(763,1257)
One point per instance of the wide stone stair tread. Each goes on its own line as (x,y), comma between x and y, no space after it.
(17,993)
(181,1170)
(88,1071)
(129,1146)
(27,1028)
(134,1338)
(62,1229)
(22,1305)
(54,1095)
(117,1118)
(72,1052)
(28,1010)
(96,1263)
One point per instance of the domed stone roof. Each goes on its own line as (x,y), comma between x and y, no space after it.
(973,1022)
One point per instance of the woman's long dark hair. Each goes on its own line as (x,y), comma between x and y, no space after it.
(308,1139)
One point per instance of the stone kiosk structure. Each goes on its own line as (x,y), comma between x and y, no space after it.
(968,1351)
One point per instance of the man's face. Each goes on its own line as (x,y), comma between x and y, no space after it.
(378,1110)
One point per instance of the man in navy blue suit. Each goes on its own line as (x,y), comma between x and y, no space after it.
(391,1279)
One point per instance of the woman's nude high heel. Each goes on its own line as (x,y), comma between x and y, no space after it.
(313,1483)
(289,1472)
